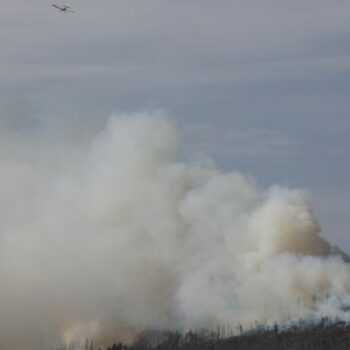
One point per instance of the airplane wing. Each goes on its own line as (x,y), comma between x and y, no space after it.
(68,8)
(57,7)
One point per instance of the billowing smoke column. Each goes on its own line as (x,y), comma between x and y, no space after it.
(123,236)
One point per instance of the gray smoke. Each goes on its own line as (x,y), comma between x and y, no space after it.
(112,234)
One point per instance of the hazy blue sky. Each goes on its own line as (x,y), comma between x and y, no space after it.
(262,86)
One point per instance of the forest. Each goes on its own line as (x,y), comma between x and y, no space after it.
(324,335)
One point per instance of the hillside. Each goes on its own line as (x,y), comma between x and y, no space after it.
(319,337)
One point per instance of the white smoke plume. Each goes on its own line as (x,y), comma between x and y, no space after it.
(117,234)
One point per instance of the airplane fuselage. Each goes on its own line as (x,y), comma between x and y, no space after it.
(64,8)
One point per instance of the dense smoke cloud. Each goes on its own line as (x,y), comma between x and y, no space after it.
(105,238)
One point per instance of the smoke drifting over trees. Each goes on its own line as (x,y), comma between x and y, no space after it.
(117,234)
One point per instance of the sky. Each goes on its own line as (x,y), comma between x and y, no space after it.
(259,86)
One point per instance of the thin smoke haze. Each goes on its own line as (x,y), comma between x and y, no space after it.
(116,234)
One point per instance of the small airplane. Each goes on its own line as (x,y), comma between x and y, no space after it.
(64,8)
